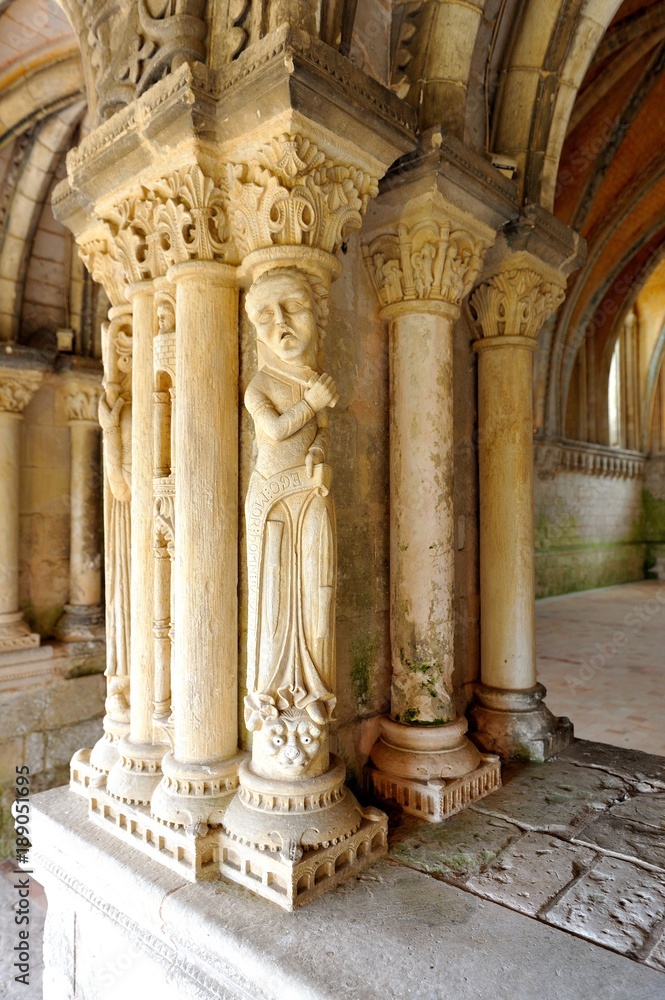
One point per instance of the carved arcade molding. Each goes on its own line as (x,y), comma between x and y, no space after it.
(515,303)
(17,387)
(428,260)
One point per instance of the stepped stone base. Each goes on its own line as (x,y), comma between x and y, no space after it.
(294,883)
(436,800)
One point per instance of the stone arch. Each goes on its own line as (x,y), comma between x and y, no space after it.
(551,50)
(51,140)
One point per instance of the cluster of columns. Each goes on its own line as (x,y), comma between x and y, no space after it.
(172,254)
(424,254)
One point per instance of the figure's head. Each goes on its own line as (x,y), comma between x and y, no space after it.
(165,315)
(282,306)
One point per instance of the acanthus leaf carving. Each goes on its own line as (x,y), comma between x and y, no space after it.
(173,219)
(515,303)
(293,194)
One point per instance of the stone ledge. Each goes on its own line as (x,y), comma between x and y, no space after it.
(392,932)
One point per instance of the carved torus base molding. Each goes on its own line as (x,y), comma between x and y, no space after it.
(290,840)
(430,771)
(517,724)
(436,800)
(281,872)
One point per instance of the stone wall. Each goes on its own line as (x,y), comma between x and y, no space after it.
(654,508)
(42,727)
(589,520)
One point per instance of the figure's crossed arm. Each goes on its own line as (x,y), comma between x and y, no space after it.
(278,426)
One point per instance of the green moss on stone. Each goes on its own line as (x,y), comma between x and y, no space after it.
(363,653)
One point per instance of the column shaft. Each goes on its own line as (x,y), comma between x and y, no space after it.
(507,581)
(85,580)
(10,444)
(205,670)
(142,656)
(421,533)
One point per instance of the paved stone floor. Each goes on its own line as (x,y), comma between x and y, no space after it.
(601,658)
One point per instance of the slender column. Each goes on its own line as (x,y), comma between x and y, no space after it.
(17,387)
(510,717)
(421,275)
(137,773)
(202,768)
(83,618)
(115,417)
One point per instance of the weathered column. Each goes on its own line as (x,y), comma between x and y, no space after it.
(17,387)
(83,618)
(203,765)
(138,772)
(423,263)
(522,290)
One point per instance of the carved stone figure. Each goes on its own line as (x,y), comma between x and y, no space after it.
(115,417)
(291,533)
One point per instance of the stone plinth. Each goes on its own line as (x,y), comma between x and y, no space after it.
(120,926)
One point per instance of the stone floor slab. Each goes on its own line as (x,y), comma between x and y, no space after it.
(531,871)
(559,799)
(634,828)
(631,765)
(461,847)
(616,905)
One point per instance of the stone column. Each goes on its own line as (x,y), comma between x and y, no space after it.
(138,772)
(422,270)
(17,387)
(510,717)
(203,765)
(83,619)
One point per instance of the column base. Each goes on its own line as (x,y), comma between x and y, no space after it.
(136,774)
(89,765)
(191,795)
(517,724)
(81,623)
(15,633)
(430,771)
(290,841)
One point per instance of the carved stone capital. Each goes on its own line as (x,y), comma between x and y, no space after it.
(516,302)
(292,191)
(173,219)
(432,254)
(17,387)
(95,250)
(81,399)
